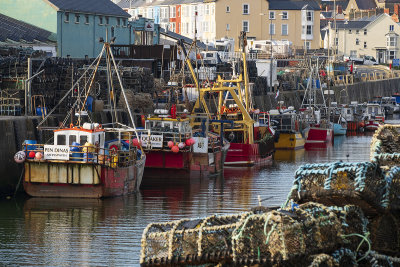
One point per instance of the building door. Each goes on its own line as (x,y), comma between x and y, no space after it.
(380,55)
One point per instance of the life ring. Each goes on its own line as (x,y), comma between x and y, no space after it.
(113,150)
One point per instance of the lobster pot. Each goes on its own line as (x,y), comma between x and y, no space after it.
(392,197)
(321,260)
(189,241)
(286,235)
(377,259)
(338,184)
(385,146)
(385,233)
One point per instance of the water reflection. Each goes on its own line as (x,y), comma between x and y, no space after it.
(64,232)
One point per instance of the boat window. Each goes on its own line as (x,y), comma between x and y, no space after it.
(83,139)
(61,140)
(72,138)
(376,109)
(348,111)
(370,110)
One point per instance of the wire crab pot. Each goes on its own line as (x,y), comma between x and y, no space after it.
(289,235)
(385,234)
(385,146)
(391,199)
(189,241)
(341,183)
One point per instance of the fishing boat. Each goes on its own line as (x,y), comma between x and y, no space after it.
(250,143)
(374,116)
(338,120)
(316,114)
(175,149)
(287,132)
(84,159)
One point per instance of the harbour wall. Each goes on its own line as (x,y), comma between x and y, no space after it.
(361,92)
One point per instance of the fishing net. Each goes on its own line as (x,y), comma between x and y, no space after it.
(385,146)
(377,259)
(392,197)
(189,241)
(292,233)
(340,183)
(385,233)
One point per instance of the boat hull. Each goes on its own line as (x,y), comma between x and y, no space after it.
(290,141)
(183,165)
(81,180)
(319,135)
(247,155)
(338,129)
(372,126)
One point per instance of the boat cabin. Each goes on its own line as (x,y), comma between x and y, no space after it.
(168,125)
(374,110)
(89,132)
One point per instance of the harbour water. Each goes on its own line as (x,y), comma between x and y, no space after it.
(80,232)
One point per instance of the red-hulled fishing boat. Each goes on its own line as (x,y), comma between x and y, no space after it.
(250,142)
(84,160)
(374,116)
(315,114)
(175,150)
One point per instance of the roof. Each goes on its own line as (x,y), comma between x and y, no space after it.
(352,24)
(327,14)
(293,5)
(343,4)
(187,40)
(366,4)
(16,30)
(143,3)
(104,7)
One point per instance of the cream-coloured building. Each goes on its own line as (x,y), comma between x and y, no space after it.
(292,20)
(374,36)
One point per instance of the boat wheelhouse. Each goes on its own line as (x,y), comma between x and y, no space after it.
(374,116)
(174,149)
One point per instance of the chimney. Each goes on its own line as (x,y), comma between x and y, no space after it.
(396,9)
(339,9)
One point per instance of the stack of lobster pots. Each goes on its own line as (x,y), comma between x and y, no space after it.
(337,214)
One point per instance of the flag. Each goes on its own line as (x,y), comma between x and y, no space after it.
(277,94)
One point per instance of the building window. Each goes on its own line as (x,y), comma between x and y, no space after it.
(178,12)
(271,29)
(246,9)
(206,26)
(365,32)
(272,15)
(310,16)
(101,20)
(353,53)
(391,28)
(245,26)
(76,18)
(86,19)
(357,31)
(228,27)
(124,22)
(173,27)
(307,45)
(112,31)
(336,41)
(118,22)
(357,41)
(309,30)
(173,12)
(392,54)
(207,9)
(285,15)
(107,20)
(212,10)
(66,17)
(285,29)
(228,9)
(391,41)
(349,31)
(365,44)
